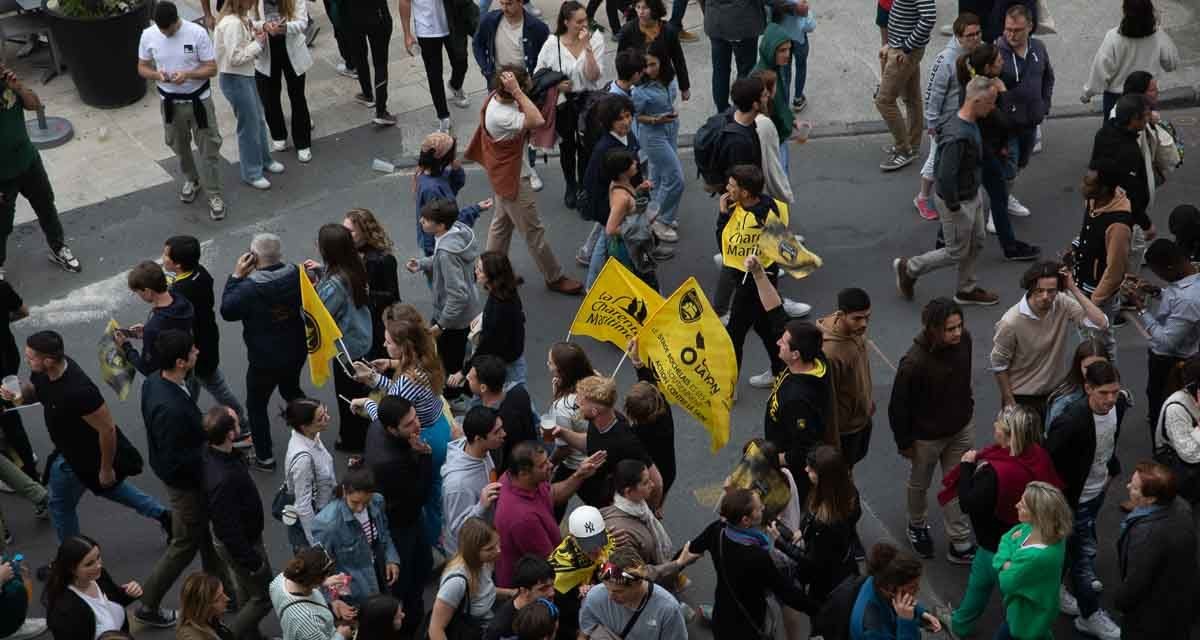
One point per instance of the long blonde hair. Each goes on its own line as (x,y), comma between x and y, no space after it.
(473,536)
(1022,426)
(418,358)
(1048,511)
(240,8)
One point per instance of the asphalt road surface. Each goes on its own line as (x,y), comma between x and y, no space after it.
(855,217)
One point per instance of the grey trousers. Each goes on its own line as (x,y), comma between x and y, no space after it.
(964,233)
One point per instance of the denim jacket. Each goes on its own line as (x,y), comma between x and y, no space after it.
(339,532)
(355,322)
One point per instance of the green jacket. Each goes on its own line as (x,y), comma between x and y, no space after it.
(1029,584)
(781,111)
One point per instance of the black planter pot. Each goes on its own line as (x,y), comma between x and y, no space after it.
(101,55)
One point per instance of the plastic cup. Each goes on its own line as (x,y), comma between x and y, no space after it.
(803,130)
(548,424)
(382,166)
(13,385)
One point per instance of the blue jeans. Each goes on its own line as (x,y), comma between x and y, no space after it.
(995,185)
(678,8)
(66,490)
(599,257)
(218,388)
(666,171)
(1081,555)
(1020,149)
(785,156)
(800,57)
(1111,309)
(723,51)
(517,371)
(253,148)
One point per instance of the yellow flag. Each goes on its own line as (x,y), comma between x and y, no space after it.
(320,331)
(616,307)
(778,245)
(689,351)
(739,238)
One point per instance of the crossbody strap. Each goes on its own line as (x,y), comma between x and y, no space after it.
(637,614)
(733,594)
(1162,421)
(302,599)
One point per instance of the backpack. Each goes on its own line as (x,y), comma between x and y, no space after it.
(832,621)
(707,150)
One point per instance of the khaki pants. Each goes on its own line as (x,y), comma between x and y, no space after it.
(902,80)
(189,535)
(522,214)
(964,233)
(179,134)
(253,590)
(928,454)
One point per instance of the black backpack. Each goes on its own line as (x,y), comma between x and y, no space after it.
(832,621)
(707,150)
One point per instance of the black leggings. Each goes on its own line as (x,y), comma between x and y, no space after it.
(746,312)
(377,36)
(566,123)
(431,57)
(269,90)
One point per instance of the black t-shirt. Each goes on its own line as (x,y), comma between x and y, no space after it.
(621,443)
(10,357)
(65,401)
(500,628)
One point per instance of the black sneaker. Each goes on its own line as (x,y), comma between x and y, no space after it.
(569,198)
(266,466)
(63,257)
(799,104)
(1021,252)
(954,556)
(362,99)
(857,550)
(383,118)
(897,160)
(921,540)
(159,619)
(41,511)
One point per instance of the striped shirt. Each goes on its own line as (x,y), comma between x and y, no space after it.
(910,22)
(309,619)
(427,403)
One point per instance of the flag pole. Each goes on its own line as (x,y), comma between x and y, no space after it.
(623,357)
(753,252)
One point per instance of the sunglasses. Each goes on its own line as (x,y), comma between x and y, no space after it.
(612,573)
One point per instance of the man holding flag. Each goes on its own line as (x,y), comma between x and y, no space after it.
(264,294)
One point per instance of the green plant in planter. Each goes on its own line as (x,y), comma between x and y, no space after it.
(92,8)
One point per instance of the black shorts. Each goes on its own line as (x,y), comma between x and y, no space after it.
(855,445)
(881,17)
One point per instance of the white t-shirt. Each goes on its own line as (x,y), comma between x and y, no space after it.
(189,48)
(429,19)
(110,616)
(1106,441)
(510,45)
(504,121)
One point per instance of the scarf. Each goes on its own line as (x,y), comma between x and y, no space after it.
(573,567)
(1012,474)
(641,511)
(748,537)
(1138,513)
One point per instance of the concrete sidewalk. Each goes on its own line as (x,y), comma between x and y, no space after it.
(119,151)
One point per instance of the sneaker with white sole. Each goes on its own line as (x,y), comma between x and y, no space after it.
(63,257)
(1015,208)
(349,73)
(991,226)
(897,160)
(362,99)
(459,99)
(261,183)
(724,319)
(274,167)
(159,619)
(1067,604)
(664,232)
(1098,625)
(279,145)
(535,181)
(444,125)
(384,119)
(216,208)
(795,308)
(304,155)
(31,628)
(4,488)
(187,193)
(764,380)
(1037,140)
(718,260)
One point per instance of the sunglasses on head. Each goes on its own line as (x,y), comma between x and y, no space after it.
(612,573)
(330,565)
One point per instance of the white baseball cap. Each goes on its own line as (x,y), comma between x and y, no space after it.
(587,525)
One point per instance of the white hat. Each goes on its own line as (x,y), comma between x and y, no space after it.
(587,525)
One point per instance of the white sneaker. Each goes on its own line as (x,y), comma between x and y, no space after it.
(279,145)
(1067,604)
(1015,208)
(275,166)
(535,181)
(444,125)
(304,155)
(991,226)
(1037,140)
(4,488)
(664,232)
(1098,586)
(187,192)
(763,380)
(947,30)
(349,73)
(459,98)
(718,260)
(261,183)
(724,319)
(31,628)
(795,308)
(1098,625)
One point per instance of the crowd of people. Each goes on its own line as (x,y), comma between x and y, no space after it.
(457,481)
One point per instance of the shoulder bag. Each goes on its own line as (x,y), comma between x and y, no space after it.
(1164,453)
(285,497)
(462,626)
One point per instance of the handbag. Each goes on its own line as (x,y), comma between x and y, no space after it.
(285,497)
(462,626)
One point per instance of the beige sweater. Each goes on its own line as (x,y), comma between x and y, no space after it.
(1119,56)
(1036,351)
(236,47)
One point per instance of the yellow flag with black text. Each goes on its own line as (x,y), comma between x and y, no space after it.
(739,238)
(320,331)
(616,307)
(778,245)
(691,356)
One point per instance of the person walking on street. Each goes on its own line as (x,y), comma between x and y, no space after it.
(733,28)
(354,531)
(90,452)
(1101,250)
(958,199)
(844,342)
(499,144)
(909,25)
(1082,442)
(432,25)
(24,174)
(1116,151)
(175,439)
(1137,44)
(942,93)
(189,279)
(1032,342)
(285,58)
(1029,77)
(369,25)
(167,311)
(510,35)
(179,56)
(264,294)
(237,521)
(932,416)
(239,43)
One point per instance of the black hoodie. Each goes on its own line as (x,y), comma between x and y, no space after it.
(931,396)
(197,287)
(1115,151)
(177,315)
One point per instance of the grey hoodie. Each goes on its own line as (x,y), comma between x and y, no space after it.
(463,480)
(452,266)
(941,92)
